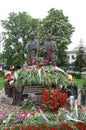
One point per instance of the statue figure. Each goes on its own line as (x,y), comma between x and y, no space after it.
(32,49)
(50,49)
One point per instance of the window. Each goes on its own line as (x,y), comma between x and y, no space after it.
(73,57)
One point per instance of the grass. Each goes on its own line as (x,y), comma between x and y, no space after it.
(80,82)
(1,83)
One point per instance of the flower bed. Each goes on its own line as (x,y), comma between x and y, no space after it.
(39,120)
(46,127)
(37,117)
(52,112)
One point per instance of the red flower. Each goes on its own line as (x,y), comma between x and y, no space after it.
(81,126)
(10,79)
(32,62)
(50,50)
(48,60)
(12,72)
(8,74)
(39,66)
(7,129)
(8,86)
(31,129)
(44,60)
(53,99)
(63,127)
(45,98)
(44,126)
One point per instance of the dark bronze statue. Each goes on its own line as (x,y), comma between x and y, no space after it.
(50,49)
(32,49)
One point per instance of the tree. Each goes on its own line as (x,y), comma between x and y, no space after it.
(57,24)
(1,57)
(17,26)
(80,61)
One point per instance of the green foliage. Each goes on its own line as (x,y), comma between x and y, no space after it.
(1,73)
(80,59)
(57,24)
(17,27)
(42,77)
(1,82)
(1,57)
(75,75)
(80,82)
(77,79)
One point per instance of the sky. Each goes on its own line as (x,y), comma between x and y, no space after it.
(74,9)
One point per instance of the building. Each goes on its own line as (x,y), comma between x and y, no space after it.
(72,54)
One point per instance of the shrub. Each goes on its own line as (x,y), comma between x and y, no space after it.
(1,73)
(75,75)
(53,99)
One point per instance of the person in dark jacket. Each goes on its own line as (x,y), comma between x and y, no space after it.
(72,88)
(72,92)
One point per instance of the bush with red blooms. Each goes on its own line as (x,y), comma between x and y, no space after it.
(53,99)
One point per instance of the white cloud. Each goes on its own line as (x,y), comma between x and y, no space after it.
(74,9)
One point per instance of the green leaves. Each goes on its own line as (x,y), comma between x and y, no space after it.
(17,27)
(80,61)
(58,24)
(46,77)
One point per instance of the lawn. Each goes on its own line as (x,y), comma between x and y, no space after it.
(1,83)
(80,82)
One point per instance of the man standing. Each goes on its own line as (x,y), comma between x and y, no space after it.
(72,92)
(50,50)
(32,48)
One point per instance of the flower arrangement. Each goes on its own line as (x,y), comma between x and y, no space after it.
(41,76)
(53,99)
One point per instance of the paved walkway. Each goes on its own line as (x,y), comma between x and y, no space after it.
(6,104)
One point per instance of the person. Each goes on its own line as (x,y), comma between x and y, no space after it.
(32,49)
(50,49)
(72,92)
(83,95)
